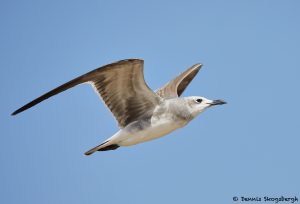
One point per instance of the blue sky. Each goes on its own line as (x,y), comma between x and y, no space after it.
(249,147)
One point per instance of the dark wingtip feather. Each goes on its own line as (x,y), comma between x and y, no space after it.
(25,107)
(15,112)
(88,153)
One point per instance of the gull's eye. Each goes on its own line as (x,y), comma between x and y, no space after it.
(199,100)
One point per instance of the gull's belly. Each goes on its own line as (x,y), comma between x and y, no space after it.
(153,131)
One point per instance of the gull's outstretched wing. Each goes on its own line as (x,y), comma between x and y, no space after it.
(122,87)
(176,87)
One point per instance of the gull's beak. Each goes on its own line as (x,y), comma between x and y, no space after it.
(217,102)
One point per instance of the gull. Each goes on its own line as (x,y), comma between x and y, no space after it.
(142,114)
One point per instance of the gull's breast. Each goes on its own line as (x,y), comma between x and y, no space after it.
(157,128)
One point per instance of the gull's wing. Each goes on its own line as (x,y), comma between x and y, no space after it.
(122,87)
(176,87)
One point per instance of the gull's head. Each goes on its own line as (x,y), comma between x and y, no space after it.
(198,104)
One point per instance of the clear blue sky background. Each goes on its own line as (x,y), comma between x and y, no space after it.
(249,147)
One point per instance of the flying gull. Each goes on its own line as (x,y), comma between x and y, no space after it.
(141,113)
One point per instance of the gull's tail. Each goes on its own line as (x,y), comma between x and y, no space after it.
(105,146)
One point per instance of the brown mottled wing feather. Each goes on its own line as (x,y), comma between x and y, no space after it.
(176,87)
(125,92)
(122,87)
